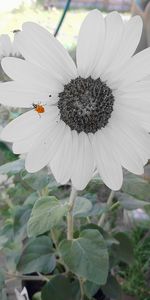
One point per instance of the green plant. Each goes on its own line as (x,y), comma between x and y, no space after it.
(35,237)
(136,278)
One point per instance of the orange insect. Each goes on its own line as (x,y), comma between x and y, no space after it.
(39,108)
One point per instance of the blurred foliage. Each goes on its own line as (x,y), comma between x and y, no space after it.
(33,210)
(137,276)
(6,154)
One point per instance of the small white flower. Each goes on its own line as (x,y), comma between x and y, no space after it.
(7,47)
(23,295)
(93,116)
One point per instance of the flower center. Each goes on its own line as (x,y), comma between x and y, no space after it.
(86,104)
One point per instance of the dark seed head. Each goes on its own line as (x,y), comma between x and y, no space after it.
(86,104)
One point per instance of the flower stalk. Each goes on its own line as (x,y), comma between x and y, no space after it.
(71,202)
(109,203)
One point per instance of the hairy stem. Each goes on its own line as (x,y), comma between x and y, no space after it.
(71,202)
(109,203)
(26,277)
(81,288)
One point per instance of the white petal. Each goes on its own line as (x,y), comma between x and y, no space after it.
(26,72)
(130,39)
(125,151)
(5,45)
(40,47)
(134,101)
(61,165)
(136,87)
(83,166)
(139,116)
(108,165)
(45,149)
(24,146)
(23,95)
(114,31)
(90,42)
(136,69)
(23,295)
(131,130)
(29,124)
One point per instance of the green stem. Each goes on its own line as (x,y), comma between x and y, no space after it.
(81,288)
(71,202)
(109,203)
(25,277)
(62,17)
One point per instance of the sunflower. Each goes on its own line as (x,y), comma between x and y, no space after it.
(92,115)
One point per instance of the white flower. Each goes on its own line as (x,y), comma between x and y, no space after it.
(23,295)
(97,115)
(7,47)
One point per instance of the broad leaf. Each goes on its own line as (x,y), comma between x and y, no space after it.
(59,288)
(90,288)
(112,289)
(13,167)
(94,185)
(46,214)
(124,251)
(36,181)
(109,239)
(6,234)
(82,207)
(37,256)
(130,203)
(86,256)
(136,186)
(30,200)
(21,218)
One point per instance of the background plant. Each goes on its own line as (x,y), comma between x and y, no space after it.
(35,240)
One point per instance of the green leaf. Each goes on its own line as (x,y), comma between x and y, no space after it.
(3,294)
(82,207)
(3,241)
(59,288)
(90,288)
(52,182)
(86,256)
(124,251)
(130,203)
(94,185)
(112,289)
(36,181)
(37,256)
(6,234)
(136,186)
(2,279)
(37,296)
(12,255)
(75,290)
(109,239)
(13,167)
(46,214)
(21,218)
(30,200)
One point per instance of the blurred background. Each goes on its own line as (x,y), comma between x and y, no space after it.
(48,12)
(63,18)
